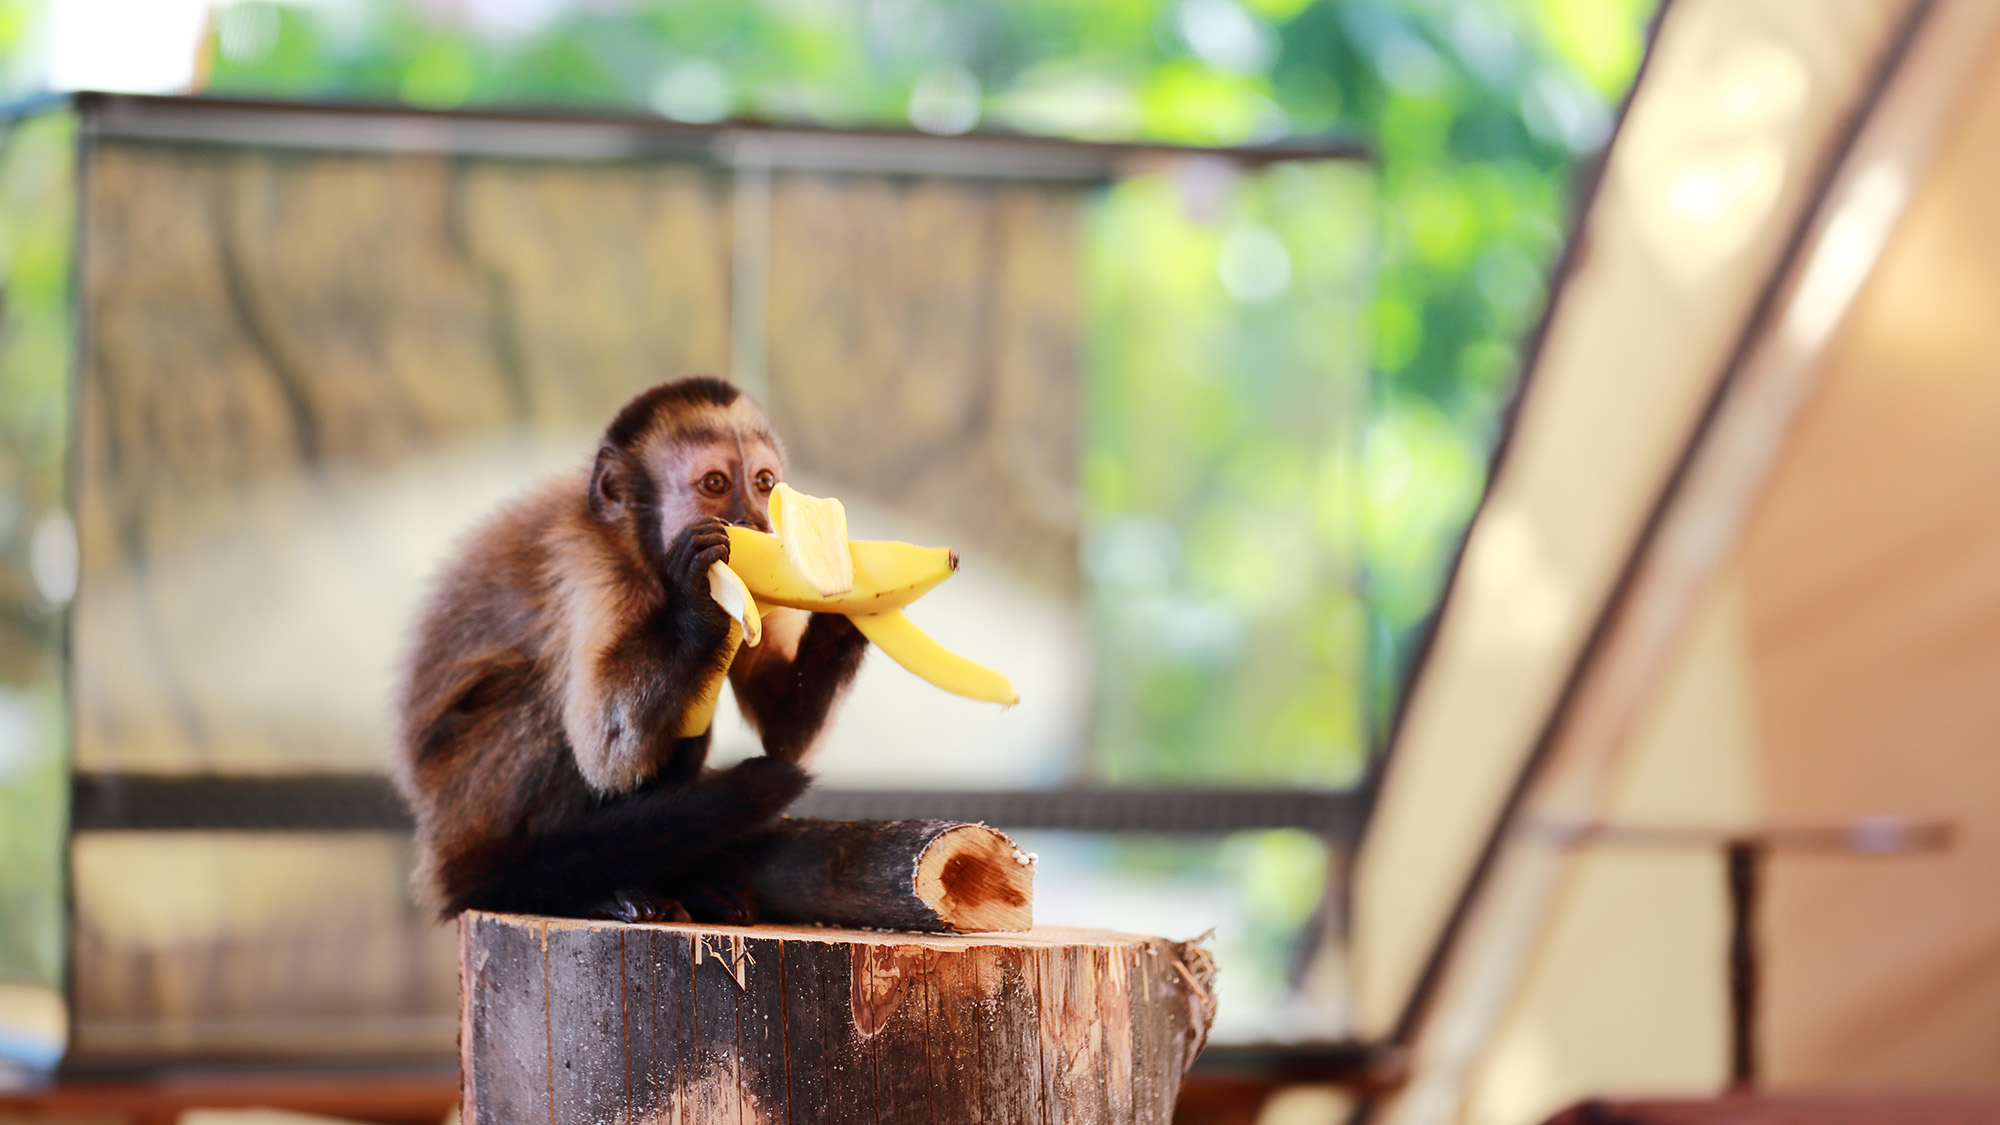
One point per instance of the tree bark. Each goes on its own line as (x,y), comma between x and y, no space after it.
(932,876)
(587,1021)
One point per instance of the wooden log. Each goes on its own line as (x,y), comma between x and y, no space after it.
(932,876)
(584,1022)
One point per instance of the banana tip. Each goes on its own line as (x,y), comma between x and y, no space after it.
(951,560)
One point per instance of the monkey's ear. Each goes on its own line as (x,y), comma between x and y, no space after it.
(609,490)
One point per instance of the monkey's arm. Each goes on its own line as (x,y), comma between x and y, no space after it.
(635,671)
(788,685)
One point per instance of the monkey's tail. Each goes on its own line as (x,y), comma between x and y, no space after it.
(652,838)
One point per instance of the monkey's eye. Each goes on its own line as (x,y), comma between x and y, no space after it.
(715,484)
(766,480)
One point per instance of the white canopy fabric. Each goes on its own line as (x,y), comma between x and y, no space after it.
(1737,566)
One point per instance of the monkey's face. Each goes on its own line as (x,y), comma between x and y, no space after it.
(681,452)
(730,478)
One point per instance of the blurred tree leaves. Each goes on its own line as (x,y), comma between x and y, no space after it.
(37,221)
(1224,397)
(1479,112)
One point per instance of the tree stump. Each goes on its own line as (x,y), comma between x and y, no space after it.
(584,1022)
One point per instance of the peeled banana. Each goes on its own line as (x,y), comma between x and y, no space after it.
(887,575)
(746,627)
(701,711)
(814,534)
(811,564)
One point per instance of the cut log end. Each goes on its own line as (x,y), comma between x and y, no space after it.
(977,880)
(927,876)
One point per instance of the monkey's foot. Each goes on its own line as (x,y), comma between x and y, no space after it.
(642,906)
(726,902)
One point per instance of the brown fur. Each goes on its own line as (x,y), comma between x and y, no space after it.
(560,650)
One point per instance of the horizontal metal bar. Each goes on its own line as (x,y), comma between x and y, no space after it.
(596,137)
(318,129)
(369,803)
(1356,1065)
(206,802)
(1193,811)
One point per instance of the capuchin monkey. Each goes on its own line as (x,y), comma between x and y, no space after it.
(551,669)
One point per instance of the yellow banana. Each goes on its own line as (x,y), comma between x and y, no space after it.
(814,533)
(887,574)
(701,711)
(746,627)
(811,564)
(894,633)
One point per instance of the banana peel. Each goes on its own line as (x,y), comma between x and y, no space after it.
(700,714)
(730,592)
(801,567)
(894,633)
(746,627)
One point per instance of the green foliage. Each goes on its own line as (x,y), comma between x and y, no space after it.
(36,223)
(1224,391)
(17,24)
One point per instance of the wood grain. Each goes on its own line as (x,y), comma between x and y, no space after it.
(579,1021)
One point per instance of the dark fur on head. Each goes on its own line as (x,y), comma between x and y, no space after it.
(664,404)
(557,657)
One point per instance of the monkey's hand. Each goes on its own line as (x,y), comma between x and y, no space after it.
(787,687)
(699,546)
(835,631)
